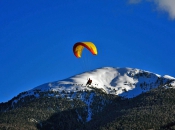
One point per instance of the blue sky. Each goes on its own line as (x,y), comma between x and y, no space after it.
(37,37)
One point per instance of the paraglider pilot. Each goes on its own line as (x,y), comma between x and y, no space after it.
(89,82)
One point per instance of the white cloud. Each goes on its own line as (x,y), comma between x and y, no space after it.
(167,5)
(163,5)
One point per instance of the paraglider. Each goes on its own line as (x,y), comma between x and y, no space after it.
(78,49)
(79,46)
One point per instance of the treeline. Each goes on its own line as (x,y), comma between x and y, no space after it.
(154,110)
(52,112)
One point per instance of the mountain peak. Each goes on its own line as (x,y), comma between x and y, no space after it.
(127,82)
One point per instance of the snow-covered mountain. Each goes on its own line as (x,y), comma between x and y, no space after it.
(127,82)
(73,96)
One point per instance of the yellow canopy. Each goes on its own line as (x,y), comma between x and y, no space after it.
(79,46)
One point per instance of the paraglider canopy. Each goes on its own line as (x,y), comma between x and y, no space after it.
(79,46)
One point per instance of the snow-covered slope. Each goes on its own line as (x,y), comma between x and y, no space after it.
(127,82)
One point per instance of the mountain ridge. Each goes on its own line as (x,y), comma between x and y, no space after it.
(110,78)
(126,82)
